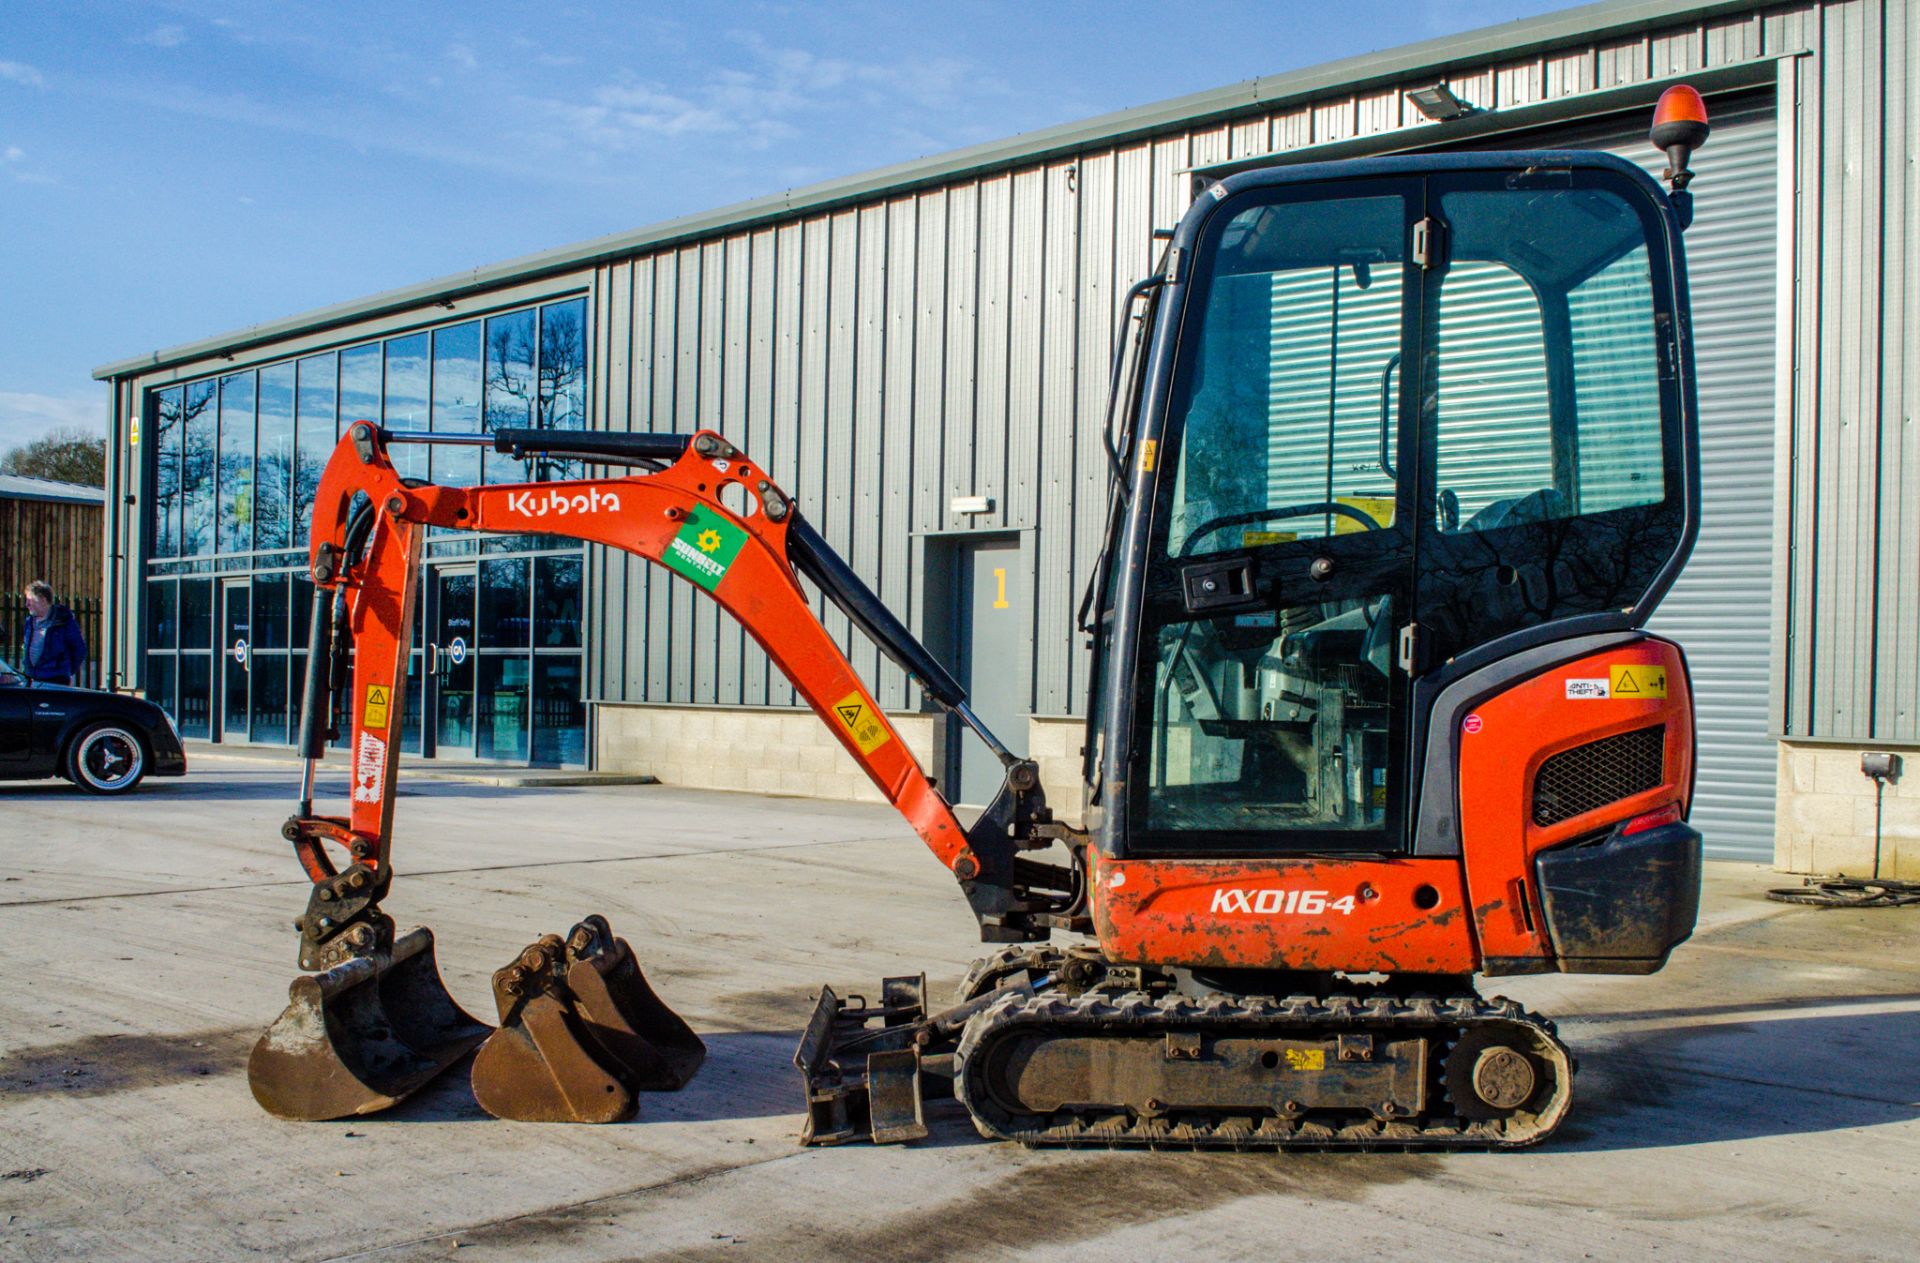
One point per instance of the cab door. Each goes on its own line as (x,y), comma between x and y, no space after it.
(1271,685)
(1554,481)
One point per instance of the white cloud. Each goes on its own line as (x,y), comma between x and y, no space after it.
(167,36)
(21,72)
(13,157)
(756,105)
(463,56)
(25,416)
(619,113)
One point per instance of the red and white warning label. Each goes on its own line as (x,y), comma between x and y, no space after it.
(369,769)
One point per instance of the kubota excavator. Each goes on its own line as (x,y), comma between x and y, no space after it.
(1403,456)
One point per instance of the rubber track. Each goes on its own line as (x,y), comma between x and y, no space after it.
(1131,1013)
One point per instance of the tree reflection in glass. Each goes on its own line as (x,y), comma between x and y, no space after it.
(315,436)
(167,429)
(509,386)
(236,463)
(198,436)
(273,462)
(562,398)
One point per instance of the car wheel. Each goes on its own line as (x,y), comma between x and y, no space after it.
(106,758)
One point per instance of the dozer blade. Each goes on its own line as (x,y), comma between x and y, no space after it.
(581,1033)
(865,1067)
(361,1036)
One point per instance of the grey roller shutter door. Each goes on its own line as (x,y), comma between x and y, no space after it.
(1720,610)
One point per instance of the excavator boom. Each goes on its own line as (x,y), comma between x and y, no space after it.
(370,527)
(675,517)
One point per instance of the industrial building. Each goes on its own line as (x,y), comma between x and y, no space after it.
(920,355)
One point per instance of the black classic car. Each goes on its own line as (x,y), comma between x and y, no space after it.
(105,743)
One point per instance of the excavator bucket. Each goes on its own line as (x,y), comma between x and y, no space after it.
(362,1036)
(581,1034)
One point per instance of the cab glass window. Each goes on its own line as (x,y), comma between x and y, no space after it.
(1543,385)
(1288,402)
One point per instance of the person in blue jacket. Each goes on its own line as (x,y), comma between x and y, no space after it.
(53,651)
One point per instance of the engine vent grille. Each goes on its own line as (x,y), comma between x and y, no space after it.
(1601,772)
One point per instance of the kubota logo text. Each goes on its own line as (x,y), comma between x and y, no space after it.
(1268,903)
(559,503)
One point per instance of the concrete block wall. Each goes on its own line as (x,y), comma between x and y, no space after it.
(765,750)
(775,750)
(1054,744)
(1826,814)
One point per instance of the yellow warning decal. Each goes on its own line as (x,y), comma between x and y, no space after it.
(856,712)
(1259,539)
(1637,680)
(374,714)
(1149,448)
(1379,508)
(1306,1059)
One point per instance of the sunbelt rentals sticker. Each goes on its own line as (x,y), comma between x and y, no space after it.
(705,547)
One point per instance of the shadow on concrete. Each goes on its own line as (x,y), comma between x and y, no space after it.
(1774,1076)
(102,1065)
(1781,1005)
(747,1074)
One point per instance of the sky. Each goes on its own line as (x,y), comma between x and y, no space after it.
(173,171)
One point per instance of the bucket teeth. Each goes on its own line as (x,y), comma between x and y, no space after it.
(581,1033)
(362,1035)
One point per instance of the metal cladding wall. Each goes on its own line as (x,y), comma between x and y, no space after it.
(884,357)
(1848,558)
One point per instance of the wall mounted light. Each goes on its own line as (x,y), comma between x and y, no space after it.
(1439,103)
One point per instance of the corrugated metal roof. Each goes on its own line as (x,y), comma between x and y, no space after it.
(21,487)
(1508,38)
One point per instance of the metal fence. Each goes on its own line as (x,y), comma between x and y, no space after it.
(13,628)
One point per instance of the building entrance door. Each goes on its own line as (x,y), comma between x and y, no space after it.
(993,626)
(448,676)
(236,625)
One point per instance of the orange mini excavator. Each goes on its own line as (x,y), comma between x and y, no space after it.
(1404,456)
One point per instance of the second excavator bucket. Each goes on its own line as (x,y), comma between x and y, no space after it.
(581,1033)
(866,1067)
(362,1036)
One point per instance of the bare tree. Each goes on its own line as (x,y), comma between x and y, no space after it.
(64,454)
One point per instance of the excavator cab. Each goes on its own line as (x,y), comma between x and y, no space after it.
(1399,422)
(1404,457)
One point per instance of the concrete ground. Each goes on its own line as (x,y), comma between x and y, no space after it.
(1758,1099)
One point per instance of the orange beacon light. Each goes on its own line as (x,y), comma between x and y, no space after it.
(1679,127)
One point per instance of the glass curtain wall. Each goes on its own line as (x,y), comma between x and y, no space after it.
(234,464)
